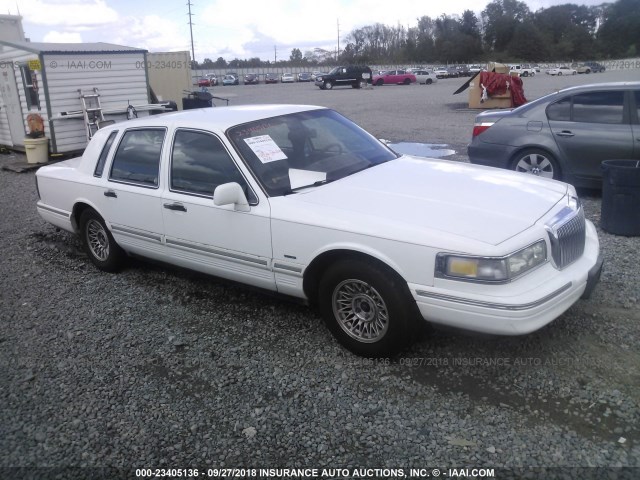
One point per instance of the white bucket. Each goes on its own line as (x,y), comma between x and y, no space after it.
(37,149)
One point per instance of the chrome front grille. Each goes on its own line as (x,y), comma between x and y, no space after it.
(567,236)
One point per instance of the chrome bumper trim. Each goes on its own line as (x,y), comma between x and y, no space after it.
(495,306)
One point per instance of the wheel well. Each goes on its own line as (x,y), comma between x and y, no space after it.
(314,272)
(78,210)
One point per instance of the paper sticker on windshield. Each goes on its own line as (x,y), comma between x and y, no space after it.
(265,148)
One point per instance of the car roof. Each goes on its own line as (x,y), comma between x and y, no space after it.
(218,118)
(602,86)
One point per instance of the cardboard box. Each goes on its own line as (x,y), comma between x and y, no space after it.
(497,101)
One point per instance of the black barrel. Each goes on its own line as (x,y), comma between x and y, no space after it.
(621,197)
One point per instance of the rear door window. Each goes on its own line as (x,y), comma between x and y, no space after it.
(137,159)
(560,110)
(599,107)
(593,107)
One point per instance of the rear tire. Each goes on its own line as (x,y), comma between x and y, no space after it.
(99,244)
(367,307)
(379,83)
(428,81)
(536,162)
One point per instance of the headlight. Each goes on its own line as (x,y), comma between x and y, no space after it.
(318,79)
(491,269)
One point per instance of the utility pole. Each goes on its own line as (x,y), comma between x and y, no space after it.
(193,52)
(275,54)
(338,51)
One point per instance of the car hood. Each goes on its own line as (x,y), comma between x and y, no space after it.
(418,200)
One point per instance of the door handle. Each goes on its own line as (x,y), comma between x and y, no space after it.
(565,133)
(110,193)
(175,206)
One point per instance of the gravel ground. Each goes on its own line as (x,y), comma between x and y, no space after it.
(161,368)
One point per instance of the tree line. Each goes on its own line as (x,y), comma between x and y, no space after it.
(506,30)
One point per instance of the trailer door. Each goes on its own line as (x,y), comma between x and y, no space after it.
(13,109)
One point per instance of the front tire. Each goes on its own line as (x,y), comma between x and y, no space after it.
(102,249)
(407,81)
(367,307)
(536,162)
(328,85)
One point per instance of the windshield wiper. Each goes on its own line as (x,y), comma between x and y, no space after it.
(314,184)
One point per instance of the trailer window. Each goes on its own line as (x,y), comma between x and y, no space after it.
(30,83)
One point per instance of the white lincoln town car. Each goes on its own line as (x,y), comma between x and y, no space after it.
(301,201)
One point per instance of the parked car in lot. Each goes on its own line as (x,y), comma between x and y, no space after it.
(230,80)
(251,79)
(522,70)
(394,77)
(565,135)
(590,67)
(345,75)
(564,70)
(452,72)
(441,72)
(271,78)
(287,78)
(424,77)
(204,82)
(299,200)
(463,71)
(304,77)
(213,79)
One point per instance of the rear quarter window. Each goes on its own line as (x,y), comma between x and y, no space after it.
(104,154)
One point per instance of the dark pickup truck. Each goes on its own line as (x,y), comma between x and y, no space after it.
(350,75)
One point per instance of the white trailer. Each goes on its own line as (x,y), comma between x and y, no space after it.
(45,78)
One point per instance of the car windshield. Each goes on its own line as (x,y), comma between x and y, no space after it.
(305,149)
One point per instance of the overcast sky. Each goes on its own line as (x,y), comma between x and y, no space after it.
(227,28)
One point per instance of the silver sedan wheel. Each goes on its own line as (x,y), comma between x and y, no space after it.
(97,240)
(360,310)
(536,164)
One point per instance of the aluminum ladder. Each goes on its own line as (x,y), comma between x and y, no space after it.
(92,111)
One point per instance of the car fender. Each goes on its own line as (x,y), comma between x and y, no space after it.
(322,258)
(79,206)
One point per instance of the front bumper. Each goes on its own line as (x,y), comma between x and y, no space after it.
(515,309)
(593,278)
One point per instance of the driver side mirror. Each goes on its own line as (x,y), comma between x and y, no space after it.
(231,194)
